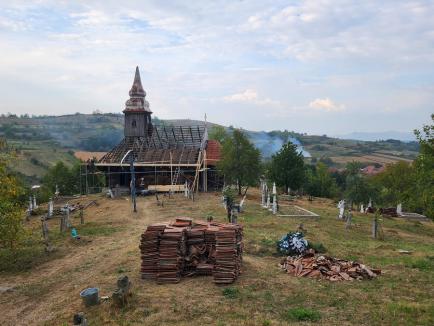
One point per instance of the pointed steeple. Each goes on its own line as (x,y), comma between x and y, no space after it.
(137,100)
(137,88)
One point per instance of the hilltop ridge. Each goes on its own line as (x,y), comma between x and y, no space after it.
(40,141)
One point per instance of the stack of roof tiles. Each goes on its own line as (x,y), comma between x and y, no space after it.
(228,254)
(171,255)
(186,248)
(149,244)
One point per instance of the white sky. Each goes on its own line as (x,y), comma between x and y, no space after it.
(318,66)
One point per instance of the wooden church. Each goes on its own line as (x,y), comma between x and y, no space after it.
(164,157)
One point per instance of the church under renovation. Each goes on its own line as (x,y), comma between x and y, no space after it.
(165,157)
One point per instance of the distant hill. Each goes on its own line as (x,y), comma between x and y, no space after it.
(373,136)
(41,141)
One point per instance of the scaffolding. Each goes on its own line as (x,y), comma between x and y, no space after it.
(96,177)
(168,157)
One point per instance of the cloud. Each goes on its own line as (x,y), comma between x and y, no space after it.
(13,25)
(327,105)
(251,96)
(371,54)
(91,18)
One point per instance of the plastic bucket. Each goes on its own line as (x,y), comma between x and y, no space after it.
(90,296)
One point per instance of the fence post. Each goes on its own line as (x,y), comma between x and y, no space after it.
(375,227)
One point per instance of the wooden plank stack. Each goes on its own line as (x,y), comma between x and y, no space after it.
(170,251)
(324,267)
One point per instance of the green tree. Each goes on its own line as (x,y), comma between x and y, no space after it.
(396,184)
(287,167)
(357,187)
(218,133)
(411,184)
(320,183)
(424,170)
(11,225)
(241,161)
(63,177)
(353,168)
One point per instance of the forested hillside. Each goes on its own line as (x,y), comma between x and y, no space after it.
(43,140)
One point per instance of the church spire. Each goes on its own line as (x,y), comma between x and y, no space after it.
(137,88)
(137,100)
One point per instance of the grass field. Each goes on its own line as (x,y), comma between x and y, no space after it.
(369,159)
(46,289)
(34,158)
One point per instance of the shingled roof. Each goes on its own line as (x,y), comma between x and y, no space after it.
(213,152)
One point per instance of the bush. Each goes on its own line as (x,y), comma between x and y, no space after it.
(318,247)
(423,264)
(11,194)
(301,314)
(231,292)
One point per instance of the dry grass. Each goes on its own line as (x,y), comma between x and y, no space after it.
(84,156)
(48,294)
(373,158)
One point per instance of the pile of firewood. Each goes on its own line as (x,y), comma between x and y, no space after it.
(170,251)
(324,267)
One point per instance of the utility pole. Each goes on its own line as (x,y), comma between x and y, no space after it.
(87,184)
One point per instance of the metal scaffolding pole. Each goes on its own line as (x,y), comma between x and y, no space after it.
(133,186)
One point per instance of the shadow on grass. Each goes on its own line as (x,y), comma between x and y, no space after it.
(91,229)
(25,258)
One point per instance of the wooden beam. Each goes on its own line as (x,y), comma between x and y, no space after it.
(148,164)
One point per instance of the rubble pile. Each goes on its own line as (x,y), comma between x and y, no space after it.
(325,267)
(170,251)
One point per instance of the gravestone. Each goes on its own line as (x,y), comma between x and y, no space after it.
(121,294)
(50,208)
(341,206)
(399,209)
(44,226)
(349,219)
(274,199)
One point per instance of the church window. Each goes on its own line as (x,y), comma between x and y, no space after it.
(134,124)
